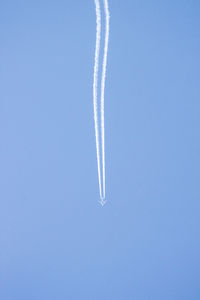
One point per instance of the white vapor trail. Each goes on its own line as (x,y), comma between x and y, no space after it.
(95,87)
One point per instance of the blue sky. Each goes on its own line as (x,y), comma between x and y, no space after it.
(56,241)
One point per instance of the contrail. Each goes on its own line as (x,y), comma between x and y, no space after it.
(95,84)
(101,174)
(103,79)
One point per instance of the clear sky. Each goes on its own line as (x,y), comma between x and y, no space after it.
(56,241)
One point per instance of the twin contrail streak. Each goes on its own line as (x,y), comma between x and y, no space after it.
(101,174)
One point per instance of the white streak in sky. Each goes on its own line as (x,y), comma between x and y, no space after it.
(95,84)
(101,174)
(103,79)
